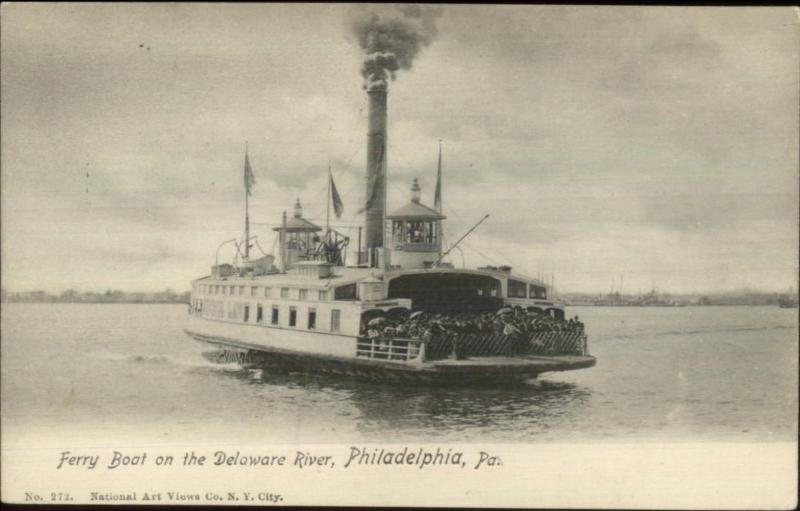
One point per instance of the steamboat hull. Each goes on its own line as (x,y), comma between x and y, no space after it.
(473,370)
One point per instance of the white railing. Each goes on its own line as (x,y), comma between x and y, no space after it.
(397,350)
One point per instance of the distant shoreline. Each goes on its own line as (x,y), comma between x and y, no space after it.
(665,300)
(109,296)
(179,302)
(143,302)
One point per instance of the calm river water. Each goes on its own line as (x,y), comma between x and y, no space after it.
(101,374)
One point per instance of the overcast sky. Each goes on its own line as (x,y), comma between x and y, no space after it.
(658,143)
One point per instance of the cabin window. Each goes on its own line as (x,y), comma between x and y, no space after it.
(304,294)
(260,314)
(538,292)
(232,290)
(323,295)
(292,316)
(312,319)
(517,289)
(416,232)
(398,229)
(284,292)
(253,291)
(267,292)
(345,292)
(246,313)
(275,314)
(336,317)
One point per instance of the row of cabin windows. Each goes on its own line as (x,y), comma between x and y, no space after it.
(260,292)
(518,289)
(415,232)
(215,308)
(311,323)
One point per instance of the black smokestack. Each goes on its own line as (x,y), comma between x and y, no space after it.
(376,168)
(391,36)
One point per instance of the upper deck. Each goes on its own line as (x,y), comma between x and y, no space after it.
(427,289)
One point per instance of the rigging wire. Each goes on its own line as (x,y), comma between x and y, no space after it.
(259,247)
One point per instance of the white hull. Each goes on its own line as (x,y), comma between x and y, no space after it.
(292,350)
(268,338)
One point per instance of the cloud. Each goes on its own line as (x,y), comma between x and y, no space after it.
(607,139)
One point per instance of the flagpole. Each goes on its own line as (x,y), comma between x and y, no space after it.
(246,214)
(328,200)
(438,198)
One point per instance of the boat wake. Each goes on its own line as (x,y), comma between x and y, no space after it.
(192,361)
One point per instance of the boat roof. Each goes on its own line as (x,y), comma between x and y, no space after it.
(344,276)
(298,224)
(415,210)
(442,270)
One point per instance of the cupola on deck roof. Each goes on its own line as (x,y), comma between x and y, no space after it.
(416,233)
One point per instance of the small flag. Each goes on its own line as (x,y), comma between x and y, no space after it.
(437,196)
(249,178)
(338,207)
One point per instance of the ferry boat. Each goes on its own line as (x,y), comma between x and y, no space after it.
(399,312)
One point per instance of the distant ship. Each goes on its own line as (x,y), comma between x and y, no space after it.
(616,299)
(653,299)
(788,301)
(399,312)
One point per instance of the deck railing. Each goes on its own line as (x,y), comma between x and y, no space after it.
(570,342)
(460,346)
(400,350)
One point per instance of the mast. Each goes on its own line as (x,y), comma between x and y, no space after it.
(358,251)
(246,208)
(328,200)
(283,243)
(437,198)
(249,181)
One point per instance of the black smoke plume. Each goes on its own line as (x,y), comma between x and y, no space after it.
(391,36)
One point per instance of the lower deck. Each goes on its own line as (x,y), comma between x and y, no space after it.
(339,354)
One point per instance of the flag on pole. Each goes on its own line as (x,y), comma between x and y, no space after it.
(249,178)
(338,207)
(437,196)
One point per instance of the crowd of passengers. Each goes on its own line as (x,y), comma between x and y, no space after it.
(510,321)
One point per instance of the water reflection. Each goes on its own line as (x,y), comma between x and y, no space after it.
(474,411)
(396,412)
